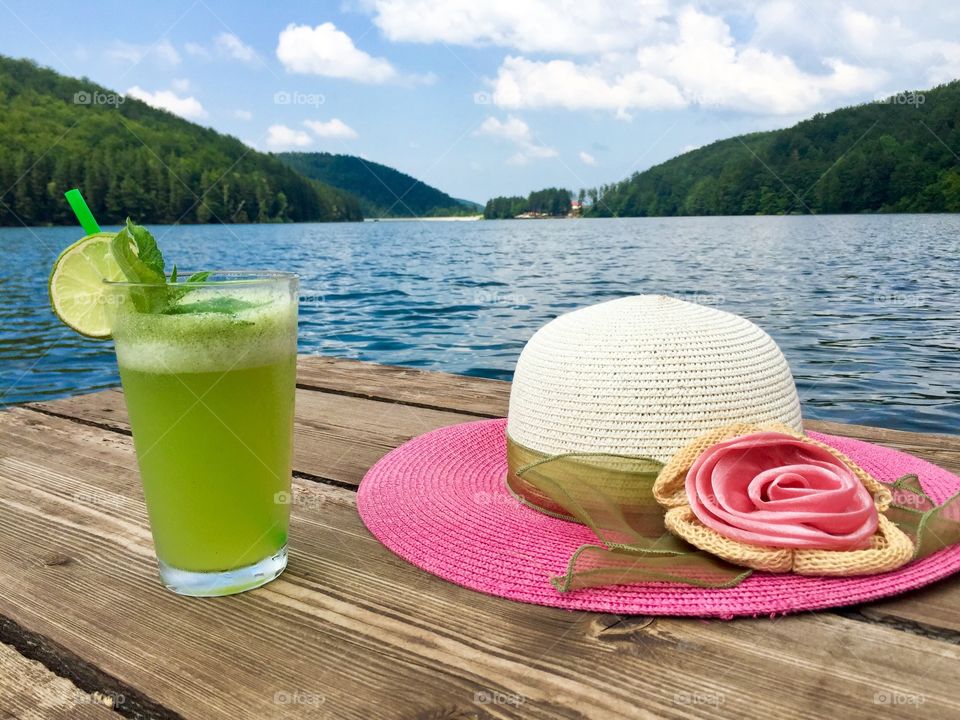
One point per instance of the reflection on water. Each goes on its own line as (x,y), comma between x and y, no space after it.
(864,307)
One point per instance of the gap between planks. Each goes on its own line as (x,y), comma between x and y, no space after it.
(493,404)
(91,691)
(888,612)
(389,625)
(469,398)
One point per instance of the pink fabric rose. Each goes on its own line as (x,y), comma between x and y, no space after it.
(775,490)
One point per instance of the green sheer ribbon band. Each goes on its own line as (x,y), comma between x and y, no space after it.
(613,496)
(932,527)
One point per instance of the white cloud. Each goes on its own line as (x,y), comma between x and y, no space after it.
(243,114)
(704,62)
(181,85)
(514,129)
(335,128)
(701,65)
(875,38)
(787,57)
(226,46)
(164,51)
(186,107)
(908,49)
(588,26)
(197,50)
(161,52)
(523,83)
(517,133)
(586,158)
(324,50)
(281,137)
(231,46)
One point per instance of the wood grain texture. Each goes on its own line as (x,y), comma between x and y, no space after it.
(933,608)
(28,691)
(452,394)
(942,450)
(462,393)
(339,436)
(335,436)
(351,631)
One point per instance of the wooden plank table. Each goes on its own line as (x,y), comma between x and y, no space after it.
(351,631)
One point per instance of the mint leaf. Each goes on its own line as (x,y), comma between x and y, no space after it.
(178,290)
(145,299)
(132,267)
(222,305)
(141,261)
(147,249)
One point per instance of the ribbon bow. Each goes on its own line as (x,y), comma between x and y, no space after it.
(613,496)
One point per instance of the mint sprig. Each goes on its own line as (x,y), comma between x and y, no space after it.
(148,252)
(146,264)
(140,260)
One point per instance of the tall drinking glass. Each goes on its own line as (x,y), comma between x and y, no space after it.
(209,376)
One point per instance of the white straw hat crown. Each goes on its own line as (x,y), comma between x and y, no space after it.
(644,376)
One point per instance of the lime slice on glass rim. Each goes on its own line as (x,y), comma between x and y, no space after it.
(77,293)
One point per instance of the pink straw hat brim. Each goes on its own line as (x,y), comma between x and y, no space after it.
(440,502)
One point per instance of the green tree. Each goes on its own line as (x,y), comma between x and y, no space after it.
(132,159)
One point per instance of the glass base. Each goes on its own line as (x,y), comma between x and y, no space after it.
(226,582)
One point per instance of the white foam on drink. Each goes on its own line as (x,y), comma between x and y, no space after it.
(209,341)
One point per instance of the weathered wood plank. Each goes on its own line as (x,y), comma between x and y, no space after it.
(28,691)
(351,631)
(935,607)
(456,394)
(338,436)
(490,398)
(335,436)
(942,450)
(471,395)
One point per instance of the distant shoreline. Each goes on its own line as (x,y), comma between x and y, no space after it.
(471,218)
(440,218)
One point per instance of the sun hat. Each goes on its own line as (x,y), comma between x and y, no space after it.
(629,477)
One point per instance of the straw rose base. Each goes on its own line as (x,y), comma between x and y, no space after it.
(889,548)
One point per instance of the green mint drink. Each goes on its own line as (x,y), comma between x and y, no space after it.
(191,463)
(208,367)
(209,382)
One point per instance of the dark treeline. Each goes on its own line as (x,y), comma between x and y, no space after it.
(382,191)
(898,155)
(130,159)
(550,201)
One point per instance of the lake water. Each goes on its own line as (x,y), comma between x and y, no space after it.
(864,307)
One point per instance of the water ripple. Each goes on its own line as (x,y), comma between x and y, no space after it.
(863,306)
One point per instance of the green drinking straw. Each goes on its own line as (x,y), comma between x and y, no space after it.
(80,209)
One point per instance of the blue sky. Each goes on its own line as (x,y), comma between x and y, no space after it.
(497,97)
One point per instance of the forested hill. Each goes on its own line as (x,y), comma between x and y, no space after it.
(898,155)
(128,158)
(383,191)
